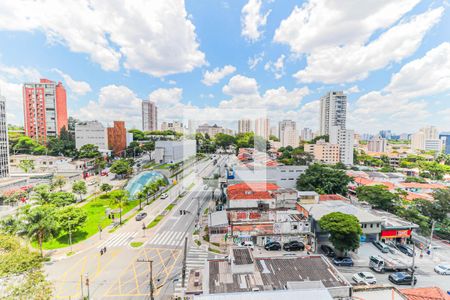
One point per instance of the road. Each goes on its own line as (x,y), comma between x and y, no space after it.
(118,274)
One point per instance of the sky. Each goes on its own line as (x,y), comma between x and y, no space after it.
(210,59)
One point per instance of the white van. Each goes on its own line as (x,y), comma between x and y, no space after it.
(248,244)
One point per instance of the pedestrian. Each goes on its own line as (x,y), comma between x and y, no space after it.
(104,249)
(101,251)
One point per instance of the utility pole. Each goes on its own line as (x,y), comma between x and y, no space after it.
(183,272)
(87,284)
(150,265)
(82,288)
(198,211)
(70,235)
(431,235)
(413,263)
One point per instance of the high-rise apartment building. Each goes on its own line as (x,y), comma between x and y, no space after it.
(117,138)
(213,130)
(445,137)
(274,132)
(385,134)
(333,111)
(426,139)
(306,134)
(174,126)
(377,144)
(262,126)
(45,109)
(345,139)
(288,133)
(4,149)
(245,125)
(91,132)
(149,116)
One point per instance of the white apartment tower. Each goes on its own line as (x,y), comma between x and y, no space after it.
(288,133)
(245,125)
(426,139)
(262,126)
(345,139)
(4,149)
(333,111)
(306,134)
(377,144)
(149,116)
(91,132)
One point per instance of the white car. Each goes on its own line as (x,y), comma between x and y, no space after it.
(364,277)
(442,269)
(248,244)
(164,196)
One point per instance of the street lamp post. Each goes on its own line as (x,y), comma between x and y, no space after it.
(70,235)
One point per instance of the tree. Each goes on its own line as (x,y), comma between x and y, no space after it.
(224,140)
(10,225)
(138,135)
(71,218)
(59,181)
(121,167)
(323,180)
(273,138)
(34,286)
(344,230)
(148,146)
(41,193)
(79,187)
(134,148)
(320,137)
(99,163)
(378,196)
(61,199)
(120,199)
(105,187)
(64,144)
(415,179)
(438,209)
(26,165)
(89,151)
(41,224)
(13,197)
(28,145)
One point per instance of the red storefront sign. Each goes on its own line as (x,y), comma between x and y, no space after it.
(396,233)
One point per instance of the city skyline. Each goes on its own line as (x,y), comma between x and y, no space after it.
(274,70)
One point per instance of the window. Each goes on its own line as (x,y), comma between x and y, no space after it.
(371,225)
(294,227)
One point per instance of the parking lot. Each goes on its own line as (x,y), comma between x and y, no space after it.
(426,276)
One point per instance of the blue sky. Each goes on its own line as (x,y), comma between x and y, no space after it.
(202,57)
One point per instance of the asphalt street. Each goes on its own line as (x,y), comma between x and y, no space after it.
(118,273)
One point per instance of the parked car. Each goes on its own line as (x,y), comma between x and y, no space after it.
(272,246)
(343,261)
(443,269)
(364,277)
(205,187)
(248,244)
(164,196)
(327,250)
(405,249)
(294,246)
(140,216)
(402,278)
(381,246)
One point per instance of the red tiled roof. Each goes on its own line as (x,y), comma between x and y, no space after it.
(413,196)
(365,181)
(430,293)
(419,185)
(329,197)
(253,190)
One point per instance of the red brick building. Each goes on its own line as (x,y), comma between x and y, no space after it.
(117,138)
(45,109)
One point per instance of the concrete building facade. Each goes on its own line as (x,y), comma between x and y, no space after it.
(174,126)
(245,125)
(262,127)
(288,133)
(377,144)
(45,109)
(306,134)
(324,152)
(333,111)
(4,148)
(345,139)
(445,137)
(174,151)
(149,116)
(91,132)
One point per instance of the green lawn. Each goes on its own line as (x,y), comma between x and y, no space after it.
(170,206)
(96,216)
(136,244)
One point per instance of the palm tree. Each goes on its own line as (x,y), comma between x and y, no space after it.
(41,223)
(141,195)
(41,193)
(59,181)
(120,199)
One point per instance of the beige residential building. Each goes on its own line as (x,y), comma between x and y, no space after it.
(213,130)
(174,126)
(245,125)
(262,127)
(325,152)
(377,144)
(288,133)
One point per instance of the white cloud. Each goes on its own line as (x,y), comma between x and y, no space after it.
(216,75)
(11,81)
(401,101)
(352,90)
(152,36)
(277,67)
(77,87)
(428,75)
(166,97)
(241,85)
(255,60)
(114,103)
(252,20)
(244,94)
(318,24)
(354,61)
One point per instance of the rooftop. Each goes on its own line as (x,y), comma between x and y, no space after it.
(324,208)
(328,197)
(251,190)
(427,293)
(392,221)
(217,218)
(242,256)
(273,274)
(321,294)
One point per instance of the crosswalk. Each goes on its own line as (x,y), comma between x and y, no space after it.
(120,239)
(195,259)
(167,238)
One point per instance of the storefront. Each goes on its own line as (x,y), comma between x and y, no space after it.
(396,235)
